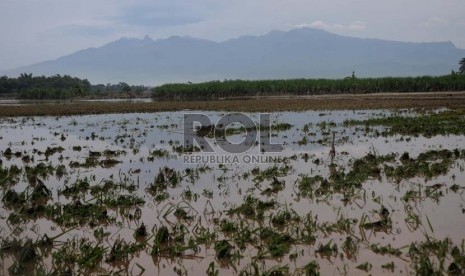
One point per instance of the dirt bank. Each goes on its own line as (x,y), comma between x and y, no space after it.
(455,100)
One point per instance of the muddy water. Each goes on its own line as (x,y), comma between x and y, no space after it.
(224,187)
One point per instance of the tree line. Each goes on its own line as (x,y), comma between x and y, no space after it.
(246,88)
(121,87)
(27,86)
(60,87)
(31,87)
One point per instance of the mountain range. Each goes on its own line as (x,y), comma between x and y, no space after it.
(298,53)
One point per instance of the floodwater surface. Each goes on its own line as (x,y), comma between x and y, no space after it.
(119,193)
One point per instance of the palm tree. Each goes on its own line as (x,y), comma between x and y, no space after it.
(462,66)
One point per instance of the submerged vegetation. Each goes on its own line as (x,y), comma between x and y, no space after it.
(112,195)
(428,125)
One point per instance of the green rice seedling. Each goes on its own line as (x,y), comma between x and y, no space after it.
(41,170)
(76,190)
(121,251)
(90,162)
(324,125)
(203,235)
(277,244)
(161,196)
(275,187)
(428,164)
(284,217)
(303,141)
(27,159)
(378,249)
(12,198)
(78,255)
(308,229)
(434,192)
(311,269)
(384,212)
(307,127)
(389,266)
(306,184)
(430,256)
(60,171)
(100,234)
(40,193)
(253,207)
(77,213)
(342,225)
(8,153)
(51,151)
(327,250)
(383,225)
(159,153)
(141,231)
(351,247)
(412,220)
(412,195)
(162,235)
(166,178)
(109,163)
(457,266)
(455,188)
(228,227)
(187,194)
(26,255)
(8,246)
(113,153)
(173,243)
(278,270)
(182,214)
(114,200)
(211,270)
(244,236)
(186,149)
(272,172)
(365,266)
(426,267)
(14,218)
(207,193)
(277,127)
(9,176)
(183,210)
(223,249)
(161,239)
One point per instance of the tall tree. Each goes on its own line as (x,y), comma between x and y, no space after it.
(462,66)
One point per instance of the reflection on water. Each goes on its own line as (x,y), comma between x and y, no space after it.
(208,196)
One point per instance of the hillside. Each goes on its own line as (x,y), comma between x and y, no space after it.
(299,53)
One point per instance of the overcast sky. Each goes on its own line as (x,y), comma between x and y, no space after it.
(37,30)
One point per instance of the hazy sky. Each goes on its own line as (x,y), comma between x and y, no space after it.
(37,30)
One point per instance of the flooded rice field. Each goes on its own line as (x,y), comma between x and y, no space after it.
(352,192)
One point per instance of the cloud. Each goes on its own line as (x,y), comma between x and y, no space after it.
(35,30)
(165,14)
(434,22)
(83,30)
(319,24)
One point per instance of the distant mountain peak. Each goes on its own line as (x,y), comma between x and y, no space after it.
(147,38)
(297,53)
